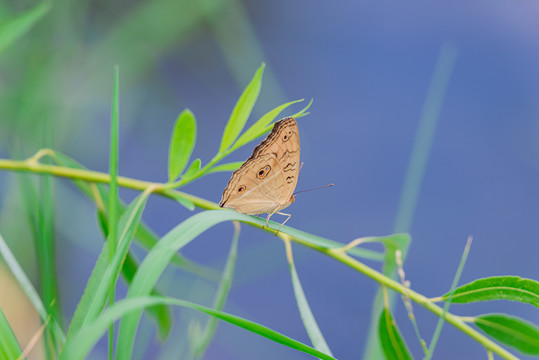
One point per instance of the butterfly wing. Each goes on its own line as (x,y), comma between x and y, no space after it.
(256,187)
(273,190)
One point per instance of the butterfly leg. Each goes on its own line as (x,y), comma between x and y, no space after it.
(269,215)
(288,216)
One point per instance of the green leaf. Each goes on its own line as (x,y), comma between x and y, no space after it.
(105,271)
(303,112)
(511,331)
(160,313)
(188,204)
(242,110)
(307,317)
(16,27)
(260,126)
(511,288)
(192,169)
(233,166)
(83,342)
(182,143)
(391,340)
(200,341)
(113,166)
(9,346)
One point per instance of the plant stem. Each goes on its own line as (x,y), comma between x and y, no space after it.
(94,176)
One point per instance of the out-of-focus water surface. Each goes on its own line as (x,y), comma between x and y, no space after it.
(368,67)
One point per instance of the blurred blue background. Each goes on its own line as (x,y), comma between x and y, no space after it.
(368,66)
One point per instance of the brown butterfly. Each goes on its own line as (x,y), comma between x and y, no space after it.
(265,183)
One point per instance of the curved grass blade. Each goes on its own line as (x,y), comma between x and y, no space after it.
(106,272)
(510,331)
(242,110)
(28,288)
(182,143)
(201,340)
(260,126)
(9,346)
(14,28)
(317,339)
(233,166)
(157,259)
(112,239)
(512,288)
(160,313)
(83,341)
(391,340)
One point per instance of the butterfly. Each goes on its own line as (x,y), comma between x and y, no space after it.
(265,183)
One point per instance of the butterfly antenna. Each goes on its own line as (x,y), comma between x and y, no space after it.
(318,188)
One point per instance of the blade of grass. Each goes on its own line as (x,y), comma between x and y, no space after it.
(83,342)
(16,27)
(112,239)
(200,343)
(456,279)
(414,174)
(9,346)
(161,313)
(46,250)
(182,143)
(242,110)
(106,272)
(307,317)
(28,288)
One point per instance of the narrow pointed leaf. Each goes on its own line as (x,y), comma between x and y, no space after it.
(192,169)
(303,111)
(242,110)
(11,30)
(511,331)
(188,204)
(233,166)
(309,322)
(257,129)
(391,340)
(511,288)
(84,341)
(106,271)
(160,313)
(182,143)
(9,346)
